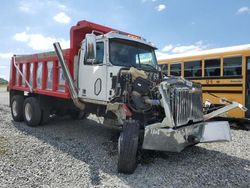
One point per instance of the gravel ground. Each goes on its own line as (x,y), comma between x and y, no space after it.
(66,153)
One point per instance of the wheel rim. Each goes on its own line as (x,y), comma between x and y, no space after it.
(119,147)
(28,112)
(14,108)
(119,144)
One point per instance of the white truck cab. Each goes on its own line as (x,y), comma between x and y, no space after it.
(113,51)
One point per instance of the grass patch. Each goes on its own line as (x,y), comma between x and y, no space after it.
(3,85)
(3,145)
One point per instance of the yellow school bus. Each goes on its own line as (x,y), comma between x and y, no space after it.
(223,72)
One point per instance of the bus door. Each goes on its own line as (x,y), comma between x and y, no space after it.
(248,87)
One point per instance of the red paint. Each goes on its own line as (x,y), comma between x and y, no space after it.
(44,75)
(55,76)
(19,75)
(126,110)
(34,75)
(12,75)
(43,58)
(27,73)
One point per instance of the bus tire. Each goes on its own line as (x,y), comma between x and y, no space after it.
(32,112)
(127,147)
(17,108)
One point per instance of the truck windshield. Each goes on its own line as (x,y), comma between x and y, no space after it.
(127,53)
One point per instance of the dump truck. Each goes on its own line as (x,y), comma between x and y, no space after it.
(114,75)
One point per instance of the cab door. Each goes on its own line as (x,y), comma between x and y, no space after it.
(92,77)
(248,87)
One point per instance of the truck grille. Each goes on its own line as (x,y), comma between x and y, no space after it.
(185,101)
(186,106)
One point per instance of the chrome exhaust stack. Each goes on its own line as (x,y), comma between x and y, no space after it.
(72,89)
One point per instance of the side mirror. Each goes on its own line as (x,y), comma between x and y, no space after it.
(90,48)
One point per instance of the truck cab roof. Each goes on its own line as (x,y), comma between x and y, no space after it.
(79,31)
(115,34)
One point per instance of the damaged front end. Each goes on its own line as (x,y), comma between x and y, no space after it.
(175,140)
(184,123)
(169,110)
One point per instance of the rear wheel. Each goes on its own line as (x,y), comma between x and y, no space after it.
(45,116)
(127,147)
(17,108)
(32,112)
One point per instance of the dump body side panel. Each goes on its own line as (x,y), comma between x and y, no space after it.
(42,72)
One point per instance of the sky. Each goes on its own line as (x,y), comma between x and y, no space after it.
(173,26)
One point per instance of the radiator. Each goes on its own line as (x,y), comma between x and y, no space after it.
(184,100)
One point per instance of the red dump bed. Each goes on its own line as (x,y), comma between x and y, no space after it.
(42,71)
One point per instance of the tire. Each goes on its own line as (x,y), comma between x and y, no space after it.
(32,112)
(77,115)
(45,116)
(17,108)
(127,148)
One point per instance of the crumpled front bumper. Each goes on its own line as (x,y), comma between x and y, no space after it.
(175,140)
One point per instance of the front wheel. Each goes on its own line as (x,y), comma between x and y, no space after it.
(127,147)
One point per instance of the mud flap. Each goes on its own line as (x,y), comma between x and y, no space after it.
(217,131)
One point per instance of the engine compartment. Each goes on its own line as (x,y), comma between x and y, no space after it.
(139,90)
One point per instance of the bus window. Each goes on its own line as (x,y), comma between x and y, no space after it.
(175,69)
(165,69)
(192,69)
(212,67)
(232,66)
